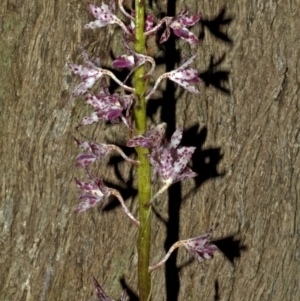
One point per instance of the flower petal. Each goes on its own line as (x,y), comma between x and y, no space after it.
(186,35)
(184,155)
(149,22)
(86,204)
(185,78)
(83,160)
(187,173)
(166,166)
(165,36)
(188,20)
(200,247)
(176,138)
(103,14)
(88,75)
(124,61)
(84,185)
(149,139)
(97,193)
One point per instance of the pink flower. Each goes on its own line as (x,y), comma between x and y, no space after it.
(167,159)
(200,247)
(149,22)
(97,151)
(95,193)
(182,76)
(105,15)
(186,77)
(150,139)
(133,60)
(108,106)
(179,26)
(91,74)
(170,161)
(102,295)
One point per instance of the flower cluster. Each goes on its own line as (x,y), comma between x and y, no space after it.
(168,159)
(105,15)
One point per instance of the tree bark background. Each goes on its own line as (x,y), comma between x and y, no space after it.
(246,128)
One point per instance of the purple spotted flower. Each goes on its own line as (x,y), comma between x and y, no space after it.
(182,76)
(95,193)
(149,22)
(133,60)
(101,295)
(167,159)
(91,74)
(111,107)
(105,15)
(150,139)
(179,26)
(170,161)
(200,247)
(97,151)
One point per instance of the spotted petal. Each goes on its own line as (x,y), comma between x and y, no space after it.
(200,247)
(105,15)
(150,139)
(96,194)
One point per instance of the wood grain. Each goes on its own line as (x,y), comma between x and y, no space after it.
(248,146)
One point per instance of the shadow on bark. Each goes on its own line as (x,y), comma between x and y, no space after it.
(132,296)
(230,247)
(216,77)
(217,294)
(214,26)
(204,161)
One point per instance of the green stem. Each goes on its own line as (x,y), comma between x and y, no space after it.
(144,170)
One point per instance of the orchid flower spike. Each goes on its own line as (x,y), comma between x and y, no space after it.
(182,76)
(101,295)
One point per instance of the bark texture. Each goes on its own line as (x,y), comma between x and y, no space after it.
(245,124)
